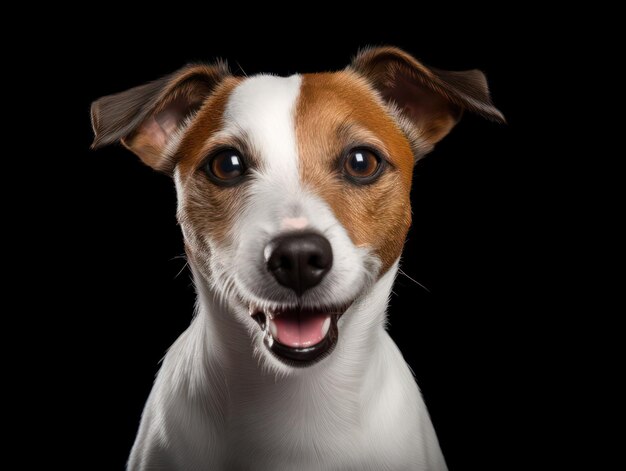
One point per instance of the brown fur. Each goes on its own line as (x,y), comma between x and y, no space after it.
(207,210)
(336,112)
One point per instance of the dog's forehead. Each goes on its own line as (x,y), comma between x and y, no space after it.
(290,120)
(261,109)
(261,102)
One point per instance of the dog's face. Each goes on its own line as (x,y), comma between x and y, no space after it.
(293,192)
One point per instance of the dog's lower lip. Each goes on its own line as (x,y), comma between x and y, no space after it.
(299,337)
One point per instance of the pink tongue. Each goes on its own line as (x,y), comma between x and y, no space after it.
(298,329)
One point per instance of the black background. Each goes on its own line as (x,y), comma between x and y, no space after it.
(131,296)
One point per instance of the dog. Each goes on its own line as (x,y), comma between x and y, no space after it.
(293,201)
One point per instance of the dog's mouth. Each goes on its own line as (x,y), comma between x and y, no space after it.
(297,336)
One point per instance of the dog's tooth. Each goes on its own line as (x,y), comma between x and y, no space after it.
(252,309)
(273,329)
(325,326)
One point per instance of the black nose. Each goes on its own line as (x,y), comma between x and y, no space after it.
(300,260)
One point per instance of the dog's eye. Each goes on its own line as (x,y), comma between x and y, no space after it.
(362,165)
(225,167)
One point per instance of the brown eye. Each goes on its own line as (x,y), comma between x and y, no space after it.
(225,167)
(362,165)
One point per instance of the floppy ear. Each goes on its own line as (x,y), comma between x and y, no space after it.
(430,101)
(146,118)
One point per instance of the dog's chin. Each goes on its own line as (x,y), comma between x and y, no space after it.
(299,337)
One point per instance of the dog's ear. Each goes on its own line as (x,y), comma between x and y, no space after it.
(431,100)
(146,118)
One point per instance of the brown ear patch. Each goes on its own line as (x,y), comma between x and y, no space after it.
(145,118)
(338,111)
(431,100)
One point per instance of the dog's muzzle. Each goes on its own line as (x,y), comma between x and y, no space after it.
(299,261)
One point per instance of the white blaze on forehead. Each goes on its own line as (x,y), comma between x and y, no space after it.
(262,108)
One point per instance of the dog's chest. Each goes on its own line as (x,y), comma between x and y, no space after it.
(295,422)
(304,444)
(312,425)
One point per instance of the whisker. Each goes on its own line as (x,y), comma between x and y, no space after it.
(185,265)
(413,280)
(241,69)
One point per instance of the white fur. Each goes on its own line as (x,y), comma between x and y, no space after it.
(263,108)
(220,401)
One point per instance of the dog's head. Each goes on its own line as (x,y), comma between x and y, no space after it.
(293,192)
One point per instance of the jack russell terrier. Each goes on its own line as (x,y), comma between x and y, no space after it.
(293,200)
